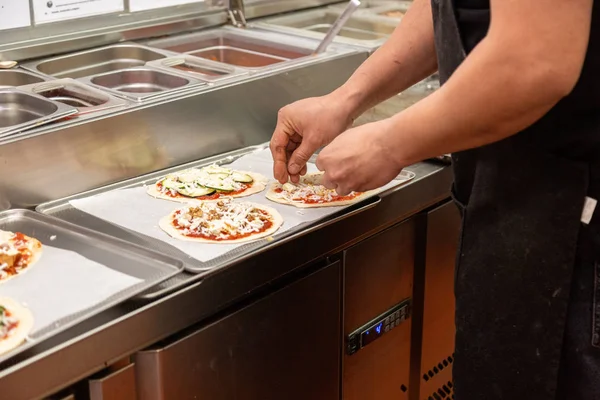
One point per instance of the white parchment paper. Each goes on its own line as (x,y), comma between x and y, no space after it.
(63,283)
(136,210)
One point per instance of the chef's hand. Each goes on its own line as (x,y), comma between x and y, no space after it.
(302,128)
(360,159)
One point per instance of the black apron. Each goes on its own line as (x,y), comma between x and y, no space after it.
(521,201)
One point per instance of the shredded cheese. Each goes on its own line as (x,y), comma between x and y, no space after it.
(307,191)
(223,220)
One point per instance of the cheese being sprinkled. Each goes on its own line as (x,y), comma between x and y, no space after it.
(307,190)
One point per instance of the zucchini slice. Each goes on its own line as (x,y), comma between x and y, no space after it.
(241,177)
(195,191)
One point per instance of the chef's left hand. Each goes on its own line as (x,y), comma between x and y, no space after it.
(359,159)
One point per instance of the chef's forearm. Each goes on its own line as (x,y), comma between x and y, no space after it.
(405,59)
(496,93)
(531,58)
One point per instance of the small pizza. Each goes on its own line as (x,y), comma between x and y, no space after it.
(18,253)
(16,323)
(223,221)
(310,193)
(208,183)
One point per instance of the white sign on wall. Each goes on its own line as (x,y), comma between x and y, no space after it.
(141,5)
(45,11)
(14,14)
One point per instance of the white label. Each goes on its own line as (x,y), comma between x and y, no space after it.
(14,14)
(589,206)
(45,11)
(141,5)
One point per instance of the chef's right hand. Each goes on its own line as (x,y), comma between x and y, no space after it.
(302,128)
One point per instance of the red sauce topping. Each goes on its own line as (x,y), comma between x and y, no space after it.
(267,223)
(19,261)
(214,196)
(11,326)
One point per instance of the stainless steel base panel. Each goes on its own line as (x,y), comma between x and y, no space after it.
(285,346)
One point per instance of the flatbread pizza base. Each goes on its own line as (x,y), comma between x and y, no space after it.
(259,184)
(36,253)
(166,225)
(22,330)
(315,178)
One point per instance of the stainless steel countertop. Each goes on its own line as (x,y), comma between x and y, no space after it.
(122,330)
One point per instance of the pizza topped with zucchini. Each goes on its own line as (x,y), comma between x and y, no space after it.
(208,183)
(18,253)
(310,193)
(223,221)
(16,323)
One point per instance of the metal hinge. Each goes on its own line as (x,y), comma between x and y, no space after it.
(236,13)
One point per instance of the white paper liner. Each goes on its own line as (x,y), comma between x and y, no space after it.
(134,209)
(63,283)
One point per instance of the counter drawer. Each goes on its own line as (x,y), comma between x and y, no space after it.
(119,385)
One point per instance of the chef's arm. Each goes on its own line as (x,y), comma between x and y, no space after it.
(405,59)
(531,58)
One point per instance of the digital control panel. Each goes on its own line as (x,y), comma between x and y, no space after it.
(378,327)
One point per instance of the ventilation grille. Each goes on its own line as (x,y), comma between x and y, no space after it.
(446,363)
(445,392)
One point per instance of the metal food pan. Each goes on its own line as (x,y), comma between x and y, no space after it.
(245,41)
(198,68)
(147,265)
(18,77)
(73,93)
(20,111)
(196,269)
(362,30)
(364,4)
(238,57)
(142,83)
(97,61)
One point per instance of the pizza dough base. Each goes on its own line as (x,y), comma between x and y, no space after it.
(259,184)
(35,247)
(314,178)
(166,225)
(22,330)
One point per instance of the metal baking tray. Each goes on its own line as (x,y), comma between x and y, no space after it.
(20,111)
(198,68)
(18,77)
(196,269)
(97,61)
(143,83)
(150,266)
(73,93)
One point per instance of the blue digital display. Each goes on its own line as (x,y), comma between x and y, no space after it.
(371,334)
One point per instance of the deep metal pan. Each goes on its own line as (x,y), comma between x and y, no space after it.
(20,111)
(148,266)
(71,92)
(196,269)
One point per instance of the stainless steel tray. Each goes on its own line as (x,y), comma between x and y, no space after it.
(97,61)
(20,111)
(143,83)
(196,269)
(18,77)
(73,93)
(151,267)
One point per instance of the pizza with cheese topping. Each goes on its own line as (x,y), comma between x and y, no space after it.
(310,193)
(208,183)
(16,323)
(223,221)
(18,253)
